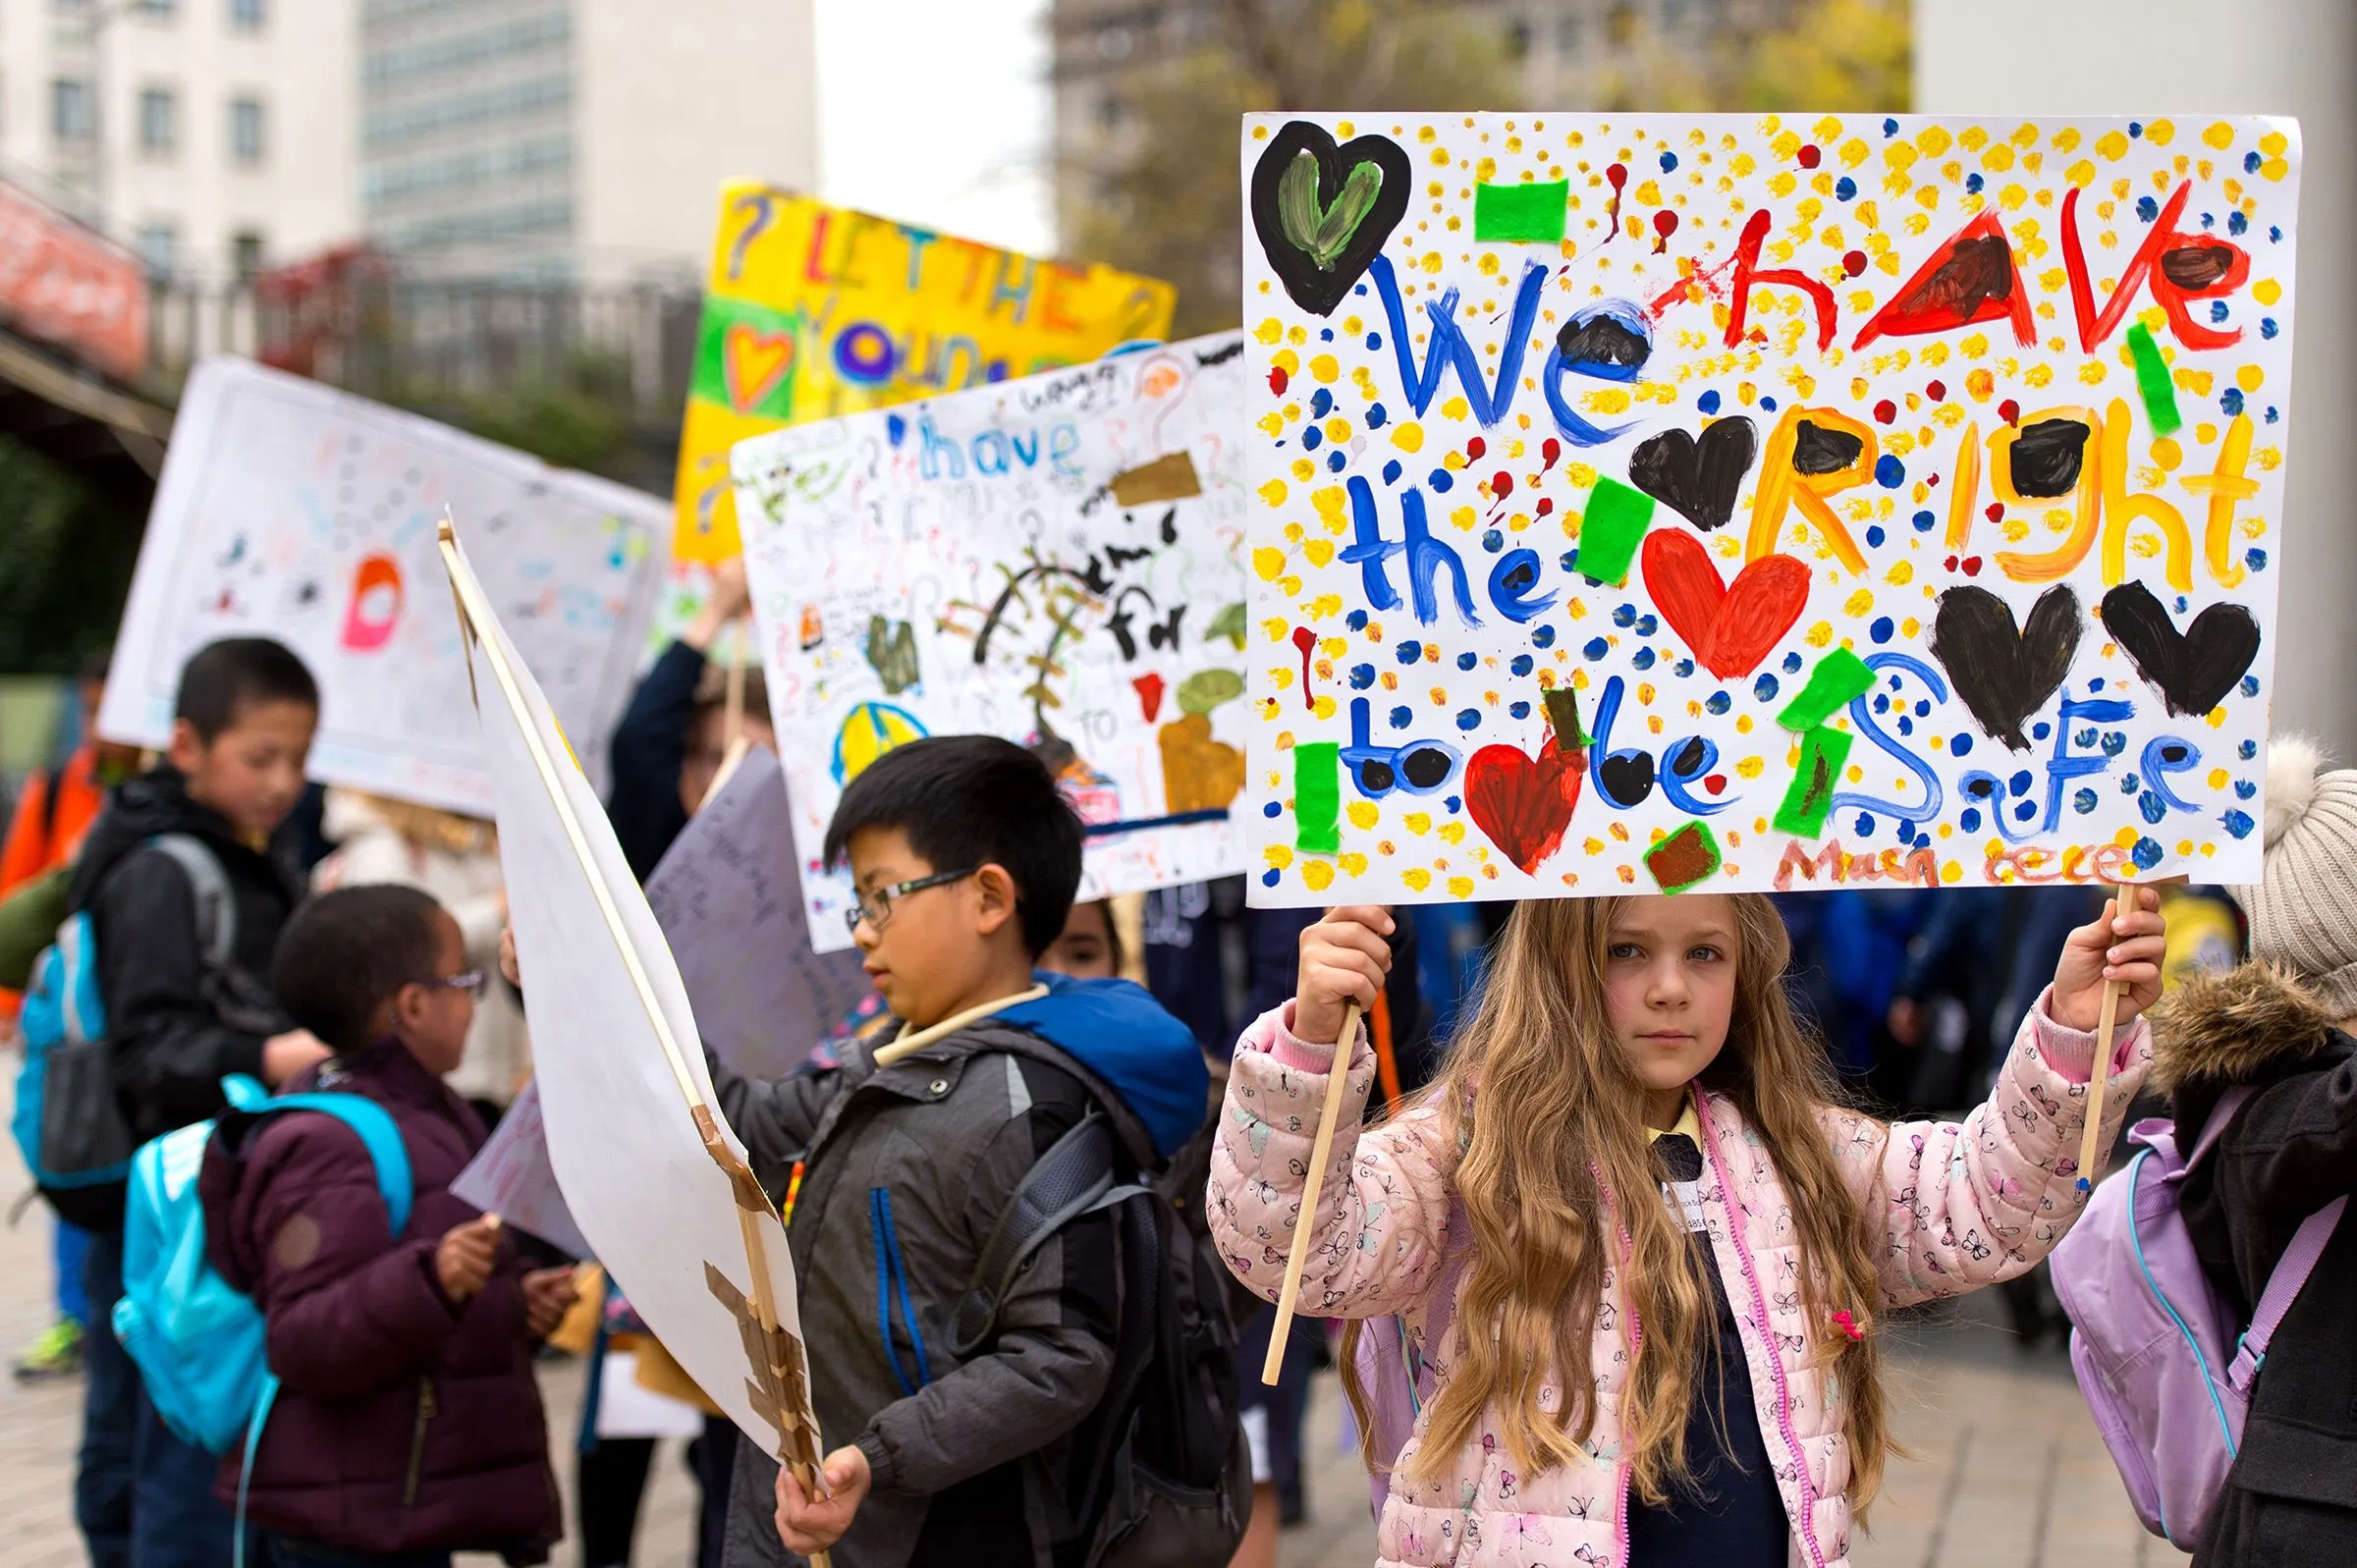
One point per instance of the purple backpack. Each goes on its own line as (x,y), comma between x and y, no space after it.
(1394,1377)
(2153,1350)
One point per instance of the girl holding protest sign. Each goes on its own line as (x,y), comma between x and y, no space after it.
(1687,1379)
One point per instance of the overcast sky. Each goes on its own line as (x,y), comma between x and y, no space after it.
(939,114)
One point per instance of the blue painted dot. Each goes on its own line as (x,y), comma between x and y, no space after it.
(1493,541)
(1409,652)
(1455,803)
(2236,223)
(2147,209)
(1923,522)
(1846,190)
(1377,417)
(1311,438)
(1374,339)
(2268,327)
(1467,659)
(1708,402)
(1391,472)
(2255,557)
(1469,718)
(1907,726)
(1544,637)
(1668,160)
(2129,785)
(1570,561)
(1648,626)
(1337,461)
(1686,668)
(1441,480)
(1882,630)
(2247,750)
(2239,823)
(2272,413)
(2232,400)
(1865,825)
(1595,649)
(1890,128)
(1792,663)
(1326,335)
(1717,702)
(1624,616)
(2148,853)
(1356,620)
(1969,819)
(1768,404)
(1272,809)
(2083,802)
(1269,878)
(2149,806)
(1521,666)
(1320,402)
(2135,130)
(1361,676)
(1973,183)
(2244,790)
(1643,659)
(1889,472)
(1402,718)
(1882,702)
(1875,537)
(2096,685)
(1959,747)
(1764,688)
(2251,161)
(2250,686)
(2218,310)
(2027,811)
(2274,234)
(2115,741)
(2041,729)
(1519,709)
(2019,784)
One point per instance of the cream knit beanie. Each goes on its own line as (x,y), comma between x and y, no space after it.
(2304,914)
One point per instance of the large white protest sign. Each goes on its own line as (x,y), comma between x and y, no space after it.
(293,511)
(624,1093)
(1652,502)
(730,902)
(510,1176)
(1053,559)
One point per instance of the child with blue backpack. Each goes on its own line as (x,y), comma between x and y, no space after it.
(408,1424)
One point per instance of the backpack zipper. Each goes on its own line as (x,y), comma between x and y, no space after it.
(425,1416)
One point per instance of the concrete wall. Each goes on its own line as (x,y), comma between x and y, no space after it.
(2189,57)
(674,99)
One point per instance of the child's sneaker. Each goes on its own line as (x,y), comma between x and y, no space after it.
(55,1352)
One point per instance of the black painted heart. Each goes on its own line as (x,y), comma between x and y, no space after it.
(1322,211)
(1697,479)
(2193,669)
(2005,673)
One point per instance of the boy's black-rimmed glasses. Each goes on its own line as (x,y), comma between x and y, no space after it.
(874,906)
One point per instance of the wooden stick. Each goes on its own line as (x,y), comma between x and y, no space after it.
(1299,1259)
(2092,1135)
(887,1055)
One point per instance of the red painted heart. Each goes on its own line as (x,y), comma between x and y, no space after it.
(1730,628)
(1523,804)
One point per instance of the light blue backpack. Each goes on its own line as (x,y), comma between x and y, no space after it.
(200,1344)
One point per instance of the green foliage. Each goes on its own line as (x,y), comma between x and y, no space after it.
(66,560)
(577,418)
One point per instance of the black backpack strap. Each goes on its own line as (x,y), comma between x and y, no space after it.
(1074,1177)
(52,779)
(208,884)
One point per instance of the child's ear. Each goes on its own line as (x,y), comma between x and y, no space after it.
(406,1007)
(186,748)
(998,899)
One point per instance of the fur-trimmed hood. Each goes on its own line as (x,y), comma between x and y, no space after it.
(2234,1027)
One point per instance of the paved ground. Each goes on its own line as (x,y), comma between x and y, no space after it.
(2007,1471)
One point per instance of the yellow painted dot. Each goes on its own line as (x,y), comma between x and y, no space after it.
(1461,886)
(1416,878)
(1269,561)
(1408,437)
(1353,864)
(1278,855)
(1362,813)
(2249,378)
(2166,454)
(1317,873)
(2220,136)
(2267,290)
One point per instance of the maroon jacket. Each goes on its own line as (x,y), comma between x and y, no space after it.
(405,1422)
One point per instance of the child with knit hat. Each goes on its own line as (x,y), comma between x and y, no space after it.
(2282,1023)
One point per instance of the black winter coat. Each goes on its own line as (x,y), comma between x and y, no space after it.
(173,1028)
(2291,1496)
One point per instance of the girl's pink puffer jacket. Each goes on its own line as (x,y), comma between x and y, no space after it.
(1968,1204)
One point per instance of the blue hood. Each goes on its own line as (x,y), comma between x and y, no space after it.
(1122,1033)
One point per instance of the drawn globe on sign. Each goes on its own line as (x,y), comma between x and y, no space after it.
(868,730)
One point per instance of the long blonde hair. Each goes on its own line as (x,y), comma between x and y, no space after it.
(1559,1182)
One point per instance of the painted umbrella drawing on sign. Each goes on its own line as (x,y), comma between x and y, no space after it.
(1645,503)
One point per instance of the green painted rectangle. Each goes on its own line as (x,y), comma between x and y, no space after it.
(1522,212)
(1839,676)
(1810,799)
(1318,797)
(1612,529)
(2153,380)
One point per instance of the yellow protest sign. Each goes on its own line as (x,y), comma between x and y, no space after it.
(813,310)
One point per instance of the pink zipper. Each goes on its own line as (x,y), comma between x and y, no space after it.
(1806,1523)
(1636,1342)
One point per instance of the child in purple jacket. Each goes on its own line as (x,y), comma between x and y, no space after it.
(408,1424)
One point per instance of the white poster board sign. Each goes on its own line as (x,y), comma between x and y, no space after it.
(1054,560)
(290,510)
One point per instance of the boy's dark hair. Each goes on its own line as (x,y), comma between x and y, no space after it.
(238,673)
(712,691)
(972,800)
(91,671)
(346,954)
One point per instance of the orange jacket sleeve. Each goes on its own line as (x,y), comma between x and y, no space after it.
(27,853)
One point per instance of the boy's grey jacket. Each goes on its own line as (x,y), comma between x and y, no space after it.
(913,1164)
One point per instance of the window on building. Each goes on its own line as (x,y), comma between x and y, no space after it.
(246,255)
(159,120)
(70,110)
(153,9)
(245,130)
(247,16)
(158,246)
(1517,40)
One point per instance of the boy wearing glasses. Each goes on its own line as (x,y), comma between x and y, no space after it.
(955,1441)
(408,1424)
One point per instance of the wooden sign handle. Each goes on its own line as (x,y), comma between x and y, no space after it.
(1298,1260)
(2092,1135)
